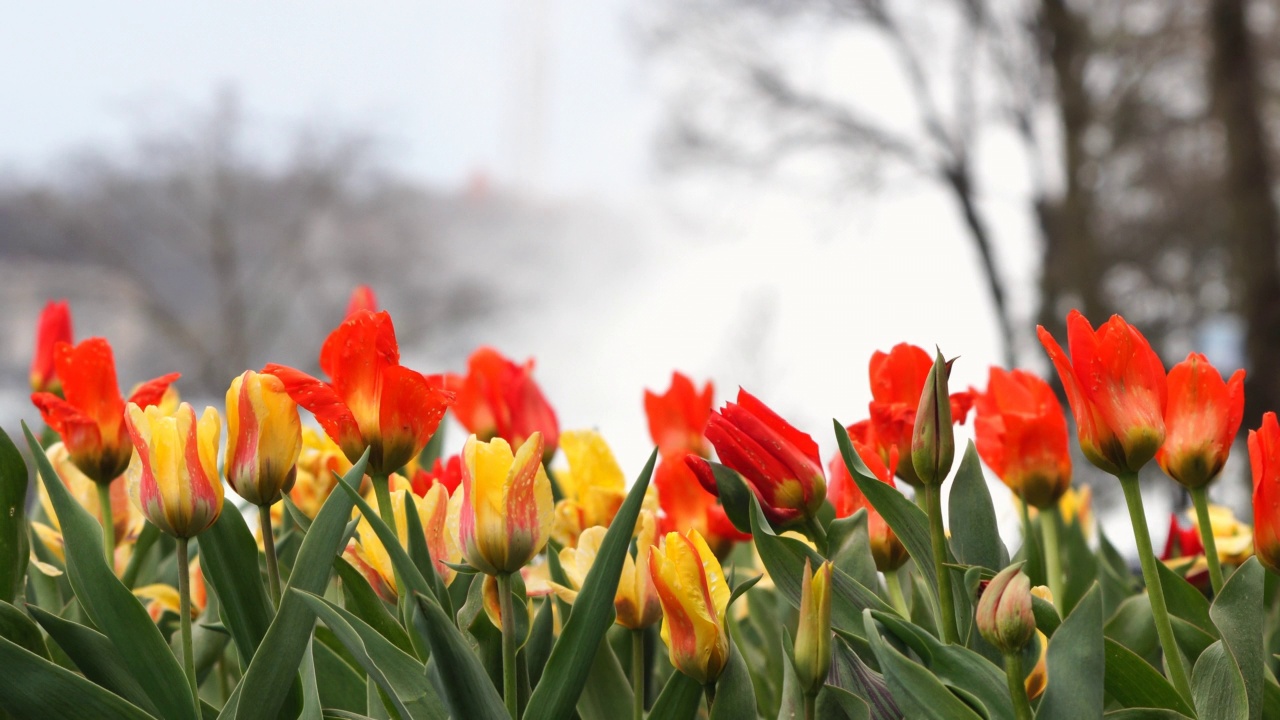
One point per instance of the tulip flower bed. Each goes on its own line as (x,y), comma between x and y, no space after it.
(379,575)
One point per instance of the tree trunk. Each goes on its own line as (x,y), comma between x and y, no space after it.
(1253,228)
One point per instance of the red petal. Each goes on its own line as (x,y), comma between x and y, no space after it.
(150,392)
(323,402)
(410,411)
(356,354)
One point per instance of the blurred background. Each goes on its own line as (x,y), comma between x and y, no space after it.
(757,192)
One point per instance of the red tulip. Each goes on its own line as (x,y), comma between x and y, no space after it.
(1264,459)
(778,462)
(684,504)
(446,472)
(1201,421)
(897,382)
(886,549)
(498,398)
(1116,386)
(1022,436)
(53,328)
(362,298)
(678,418)
(91,417)
(371,400)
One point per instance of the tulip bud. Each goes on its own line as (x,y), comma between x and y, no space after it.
(933,443)
(507,507)
(1004,614)
(264,438)
(53,328)
(694,595)
(173,478)
(813,637)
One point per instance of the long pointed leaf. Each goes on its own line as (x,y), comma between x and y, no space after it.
(229,560)
(466,684)
(32,687)
(14,543)
(95,656)
(1076,662)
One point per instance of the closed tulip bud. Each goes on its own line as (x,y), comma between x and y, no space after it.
(813,637)
(695,596)
(1201,421)
(1264,460)
(933,443)
(264,438)
(507,506)
(53,328)
(1004,614)
(173,478)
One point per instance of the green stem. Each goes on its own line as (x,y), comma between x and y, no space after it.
(1028,531)
(269,549)
(509,692)
(810,703)
(637,674)
(816,533)
(1151,576)
(184,609)
(1049,522)
(1200,498)
(108,524)
(709,692)
(946,606)
(382,492)
(1017,688)
(896,598)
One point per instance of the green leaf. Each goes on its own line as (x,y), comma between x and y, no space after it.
(110,605)
(32,687)
(361,600)
(607,694)
(1076,662)
(95,656)
(1133,683)
(541,638)
(735,696)
(14,542)
(275,664)
(975,536)
(1230,673)
(341,685)
(1185,601)
(834,702)
(571,657)
(791,699)
(229,561)
(311,705)
(1144,714)
(404,566)
(1079,564)
(1113,575)
(679,700)
(849,672)
(399,674)
(141,549)
(467,688)
(743,587)
(420,555)
(850,548)
(734,495)
(18,628)
(915,690)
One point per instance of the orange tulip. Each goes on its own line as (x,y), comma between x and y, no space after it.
(1022,436)
(886,549)
(1264,459)
(778,462)
(498,398)
(91,417)
(694,595)
(1116,386)
(54,327)
(897,382)
(678,418)
(371,400)
(1201,421)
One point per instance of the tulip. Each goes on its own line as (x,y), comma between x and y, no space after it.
(636,600)
(173,479)
(498,398)
(438,514)
(320,462)
(371,401)
(264,438)
(506,506)
(897,384)
(53,329)
(678,418)
(1021,434)
(445,472)
(1264,460)
(362,299)
(593,486)
(933,444)
(778,462)
(695,596)
(684,504)
(1005,620)
(813,636)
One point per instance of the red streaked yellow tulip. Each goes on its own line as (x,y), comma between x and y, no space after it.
(507,506)
(53,328)
(498,398)
(1021,434)
(1038,679)
(636,601)
(438,515)
(678,418)
(264,438)
(173,478)
(593,486)
(1201,421)
(91,417)
(371,400)
(1117,389)
(695,596)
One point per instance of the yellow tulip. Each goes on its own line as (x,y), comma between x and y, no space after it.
(636,600)
(264,438)
(506,504)
(1038,679)
(173,477)
(593,486)
(694,595)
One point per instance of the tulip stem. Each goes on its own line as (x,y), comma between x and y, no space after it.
(506,607)
(896,598)
(184,611)
(108,523)
(946,606)
(1049,521)
(709,691)
(810,704)
(269,549)
(1017,688)
(1151,576)
(1200,498)
(637,674)
(382,492)
(816,533)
